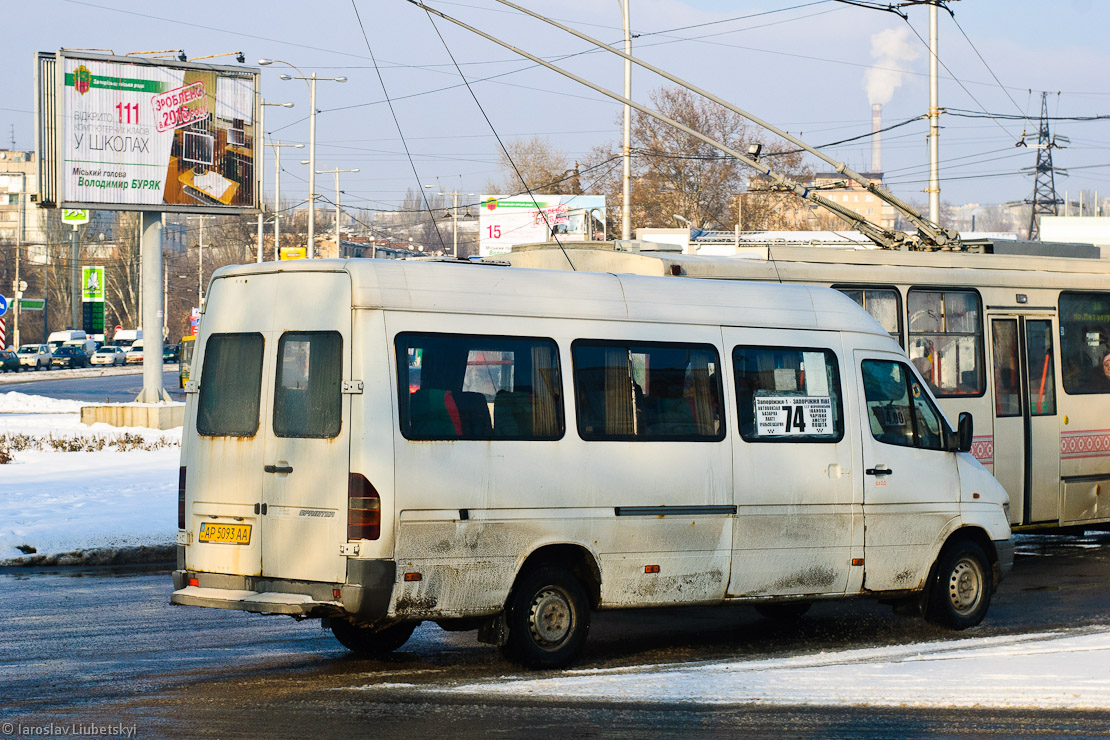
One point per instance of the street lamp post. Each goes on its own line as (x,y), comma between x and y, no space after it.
(277,145)
(262,130)
(338,209)
(311,82)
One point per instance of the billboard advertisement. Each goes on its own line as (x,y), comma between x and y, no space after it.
(136,134)
(504,221)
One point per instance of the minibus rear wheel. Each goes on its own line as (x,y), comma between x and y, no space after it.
(961,592)
(369,642)
(548,618)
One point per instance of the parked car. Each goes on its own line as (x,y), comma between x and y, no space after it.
(171,352)
(9,361)
(69,356)
(109,354)
(135,353)
(35,356)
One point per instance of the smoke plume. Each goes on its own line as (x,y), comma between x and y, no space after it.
(892,51)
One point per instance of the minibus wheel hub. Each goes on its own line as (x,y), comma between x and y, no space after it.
(965,587)
(551,617)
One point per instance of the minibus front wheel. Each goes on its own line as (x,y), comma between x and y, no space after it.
(369,642)
(961,592)
(548,617)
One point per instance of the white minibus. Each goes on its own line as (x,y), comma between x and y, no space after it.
(379,443)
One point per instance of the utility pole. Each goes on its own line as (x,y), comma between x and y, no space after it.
(626,202)
(338,209)
(934,120)
(17,284)
(200,265)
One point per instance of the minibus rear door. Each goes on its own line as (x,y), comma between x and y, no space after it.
(307,456)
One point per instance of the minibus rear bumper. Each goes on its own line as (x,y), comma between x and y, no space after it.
(365,596)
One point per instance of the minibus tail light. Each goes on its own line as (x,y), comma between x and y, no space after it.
(181,497)
(364,513)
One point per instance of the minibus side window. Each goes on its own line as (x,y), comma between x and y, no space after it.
(788,394)
(462,386)
(308,390)
(946,340)
(898,408)
(1085,342)
(230,386)
(884,305)
(649,391)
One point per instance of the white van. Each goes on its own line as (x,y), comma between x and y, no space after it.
(126,337)
(379,443)
(71,337)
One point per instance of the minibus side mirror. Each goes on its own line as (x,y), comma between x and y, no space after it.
(963,433)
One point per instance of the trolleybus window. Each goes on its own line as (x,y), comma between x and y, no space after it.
(230,386)
(1042,368)
(1085,342)
(788,394)
(898,409)
(946,340)
(647,391)
(1007,378)
(308,392)
(459,386)
(884,304)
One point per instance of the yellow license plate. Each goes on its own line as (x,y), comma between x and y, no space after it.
(225,534)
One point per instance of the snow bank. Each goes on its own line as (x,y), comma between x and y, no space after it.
(84,507)
(13,402)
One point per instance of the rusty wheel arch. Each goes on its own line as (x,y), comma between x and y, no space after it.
(577,559)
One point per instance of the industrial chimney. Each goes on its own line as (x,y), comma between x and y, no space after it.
(877,139)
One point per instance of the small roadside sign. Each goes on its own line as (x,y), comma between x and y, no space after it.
(3,305)
(31,304)
(75,216)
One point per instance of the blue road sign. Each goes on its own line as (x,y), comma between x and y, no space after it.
(3,305)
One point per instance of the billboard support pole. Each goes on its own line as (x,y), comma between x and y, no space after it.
(74,281)
(151,310)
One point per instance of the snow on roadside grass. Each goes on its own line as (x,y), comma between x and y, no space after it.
(1058,670)
(84,507)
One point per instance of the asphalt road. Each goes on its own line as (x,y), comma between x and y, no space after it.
(87,384)
(105,647)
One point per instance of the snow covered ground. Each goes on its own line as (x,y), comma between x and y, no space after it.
(101,504)
(1069,669)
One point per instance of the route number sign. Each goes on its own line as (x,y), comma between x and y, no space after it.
(791,416)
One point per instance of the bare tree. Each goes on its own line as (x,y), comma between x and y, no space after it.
(674,173)
(542,168)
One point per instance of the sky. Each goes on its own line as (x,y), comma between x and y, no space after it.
(801,64)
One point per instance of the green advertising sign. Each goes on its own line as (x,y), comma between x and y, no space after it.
(92,284)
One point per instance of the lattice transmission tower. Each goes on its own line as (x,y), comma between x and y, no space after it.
(1044,200)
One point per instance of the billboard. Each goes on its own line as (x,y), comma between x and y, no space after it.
(521,219)
(128,133)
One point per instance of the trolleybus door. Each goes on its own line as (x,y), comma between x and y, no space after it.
(1026,431)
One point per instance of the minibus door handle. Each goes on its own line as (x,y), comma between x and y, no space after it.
(879,471)
(278,468)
